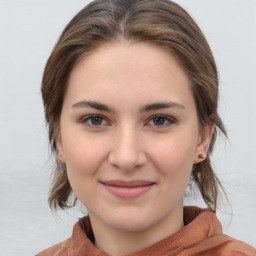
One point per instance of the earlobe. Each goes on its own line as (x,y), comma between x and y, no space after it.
(62,159)
(60,155)
(203,144)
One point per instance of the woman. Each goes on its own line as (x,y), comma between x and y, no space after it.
(130,94)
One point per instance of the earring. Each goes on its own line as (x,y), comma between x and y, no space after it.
(60,155)
(202,156)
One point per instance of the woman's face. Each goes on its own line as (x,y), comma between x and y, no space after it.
(129,134)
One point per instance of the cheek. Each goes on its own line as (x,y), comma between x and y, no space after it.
(174,162)
(84,154)
(174,155)
(84,159)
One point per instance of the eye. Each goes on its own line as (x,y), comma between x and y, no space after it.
(161,121)
(95,121)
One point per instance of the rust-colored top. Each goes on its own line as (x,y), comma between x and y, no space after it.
(201,235)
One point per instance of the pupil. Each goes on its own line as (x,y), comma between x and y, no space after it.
(97,120)
(159,120)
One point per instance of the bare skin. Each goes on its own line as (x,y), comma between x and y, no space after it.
(129,136)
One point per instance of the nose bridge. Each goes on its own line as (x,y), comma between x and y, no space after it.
(127,152)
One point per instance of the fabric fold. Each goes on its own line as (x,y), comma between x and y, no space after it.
(201,235)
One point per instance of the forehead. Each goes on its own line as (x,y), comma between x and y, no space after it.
(135,56)
(127,70)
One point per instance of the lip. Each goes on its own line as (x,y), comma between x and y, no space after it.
(128,189)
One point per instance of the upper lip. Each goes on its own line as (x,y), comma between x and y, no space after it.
(133,183)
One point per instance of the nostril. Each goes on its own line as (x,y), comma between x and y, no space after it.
(127,161)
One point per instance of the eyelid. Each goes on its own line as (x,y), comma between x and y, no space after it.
(84,119)
(171,120)
(168,118)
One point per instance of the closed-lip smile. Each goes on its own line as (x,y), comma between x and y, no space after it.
(128,189)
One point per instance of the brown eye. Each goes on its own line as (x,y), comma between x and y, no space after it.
(96,120)
(159,120)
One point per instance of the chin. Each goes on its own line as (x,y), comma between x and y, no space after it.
(131,226)
(131,221)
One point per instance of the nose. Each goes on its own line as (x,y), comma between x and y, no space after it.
(126,151)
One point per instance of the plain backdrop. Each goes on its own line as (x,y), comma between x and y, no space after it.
(29,30)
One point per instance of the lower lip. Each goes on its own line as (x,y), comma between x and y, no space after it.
(128,192)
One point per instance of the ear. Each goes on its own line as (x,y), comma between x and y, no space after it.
(204,141)
(60,150)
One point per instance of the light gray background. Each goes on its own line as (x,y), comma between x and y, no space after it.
(29,30)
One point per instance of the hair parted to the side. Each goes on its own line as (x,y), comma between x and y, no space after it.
(160,22)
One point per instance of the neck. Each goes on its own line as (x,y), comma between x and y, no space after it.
(122,242)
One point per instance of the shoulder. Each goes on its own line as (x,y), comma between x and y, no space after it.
(58,249)
(79,241)
(240,248)
(204,236)
(221,245)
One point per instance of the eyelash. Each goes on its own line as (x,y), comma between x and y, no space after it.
(166,118)
(85,119)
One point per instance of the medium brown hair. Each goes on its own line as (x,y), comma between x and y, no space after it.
(160,22)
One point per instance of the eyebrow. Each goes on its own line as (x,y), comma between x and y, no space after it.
(146,108)
(162,105)
(92,104)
